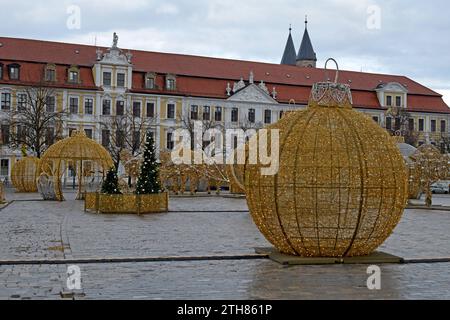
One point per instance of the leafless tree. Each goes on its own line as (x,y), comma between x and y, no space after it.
(127,134)
(445,143)
(401,125)
(246,124)
(212,171)
(206,124)
(36,123)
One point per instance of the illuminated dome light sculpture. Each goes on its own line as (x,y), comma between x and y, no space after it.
(24,175)
(132,165)
(430,166)
(236,172)
(408,151)
(342,185)
(178,177)
(77,151)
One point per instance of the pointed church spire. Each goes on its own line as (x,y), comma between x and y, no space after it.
(306,56)
(289,55)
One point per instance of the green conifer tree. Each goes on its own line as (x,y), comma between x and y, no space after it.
(148,181)
(111,183)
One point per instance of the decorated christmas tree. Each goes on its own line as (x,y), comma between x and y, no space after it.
(148,181)
(111,183)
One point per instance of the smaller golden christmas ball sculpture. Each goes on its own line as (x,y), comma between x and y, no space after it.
(24,174)
(342,184)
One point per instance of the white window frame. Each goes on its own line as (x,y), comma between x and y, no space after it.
(103,77)
(55,105)
(124,106)
(147,102)
(124,78)
(174,110)
(70,105)
(140,108)
(110,105)
(84,105)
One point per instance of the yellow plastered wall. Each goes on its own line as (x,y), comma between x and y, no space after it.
(113,77)
(13,99)
(59,102)
(114,105)
(143,107)
(162,139)
(81,105)
(163,112)
(179,110)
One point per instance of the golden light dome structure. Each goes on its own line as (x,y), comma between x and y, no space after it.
(342,184)
(24,174)
(77,151)
(408,151)
(236,172)
(430,166)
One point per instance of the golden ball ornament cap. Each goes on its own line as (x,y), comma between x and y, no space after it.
(331,94)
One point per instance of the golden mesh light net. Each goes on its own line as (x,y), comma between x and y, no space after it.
(24,174)
(429,167)
(341,188)
(78,152)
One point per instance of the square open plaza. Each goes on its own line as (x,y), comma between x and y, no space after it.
(354,203)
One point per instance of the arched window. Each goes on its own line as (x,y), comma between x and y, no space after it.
(14,71)
(50,73)
(73,75)
(171,82)
(150,80)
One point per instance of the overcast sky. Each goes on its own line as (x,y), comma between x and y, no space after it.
(411,38)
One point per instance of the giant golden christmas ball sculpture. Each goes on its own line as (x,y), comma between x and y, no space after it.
(342,184)
(24,174)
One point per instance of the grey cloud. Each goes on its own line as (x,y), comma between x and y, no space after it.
(413,39)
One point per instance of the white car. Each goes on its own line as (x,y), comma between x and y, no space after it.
(440,188)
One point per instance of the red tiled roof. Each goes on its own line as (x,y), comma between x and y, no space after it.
(427,104)
(208,77)
(32,73)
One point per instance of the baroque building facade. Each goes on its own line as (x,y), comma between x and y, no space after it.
(93,84)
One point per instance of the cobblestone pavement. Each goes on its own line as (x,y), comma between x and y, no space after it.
(22,282)
(198,227)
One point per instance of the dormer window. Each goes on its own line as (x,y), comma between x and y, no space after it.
(150,81)
(14,71)
(389,101)
(392,94)
(171,82)
(74,75)
(50,73)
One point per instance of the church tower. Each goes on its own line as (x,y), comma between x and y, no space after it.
(289,55)
(306,56)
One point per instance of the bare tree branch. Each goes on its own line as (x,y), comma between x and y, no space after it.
(127,133)
(31,121)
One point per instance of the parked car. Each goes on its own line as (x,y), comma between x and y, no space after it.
(440,187)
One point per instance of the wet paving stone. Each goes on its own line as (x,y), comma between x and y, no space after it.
(199,227)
